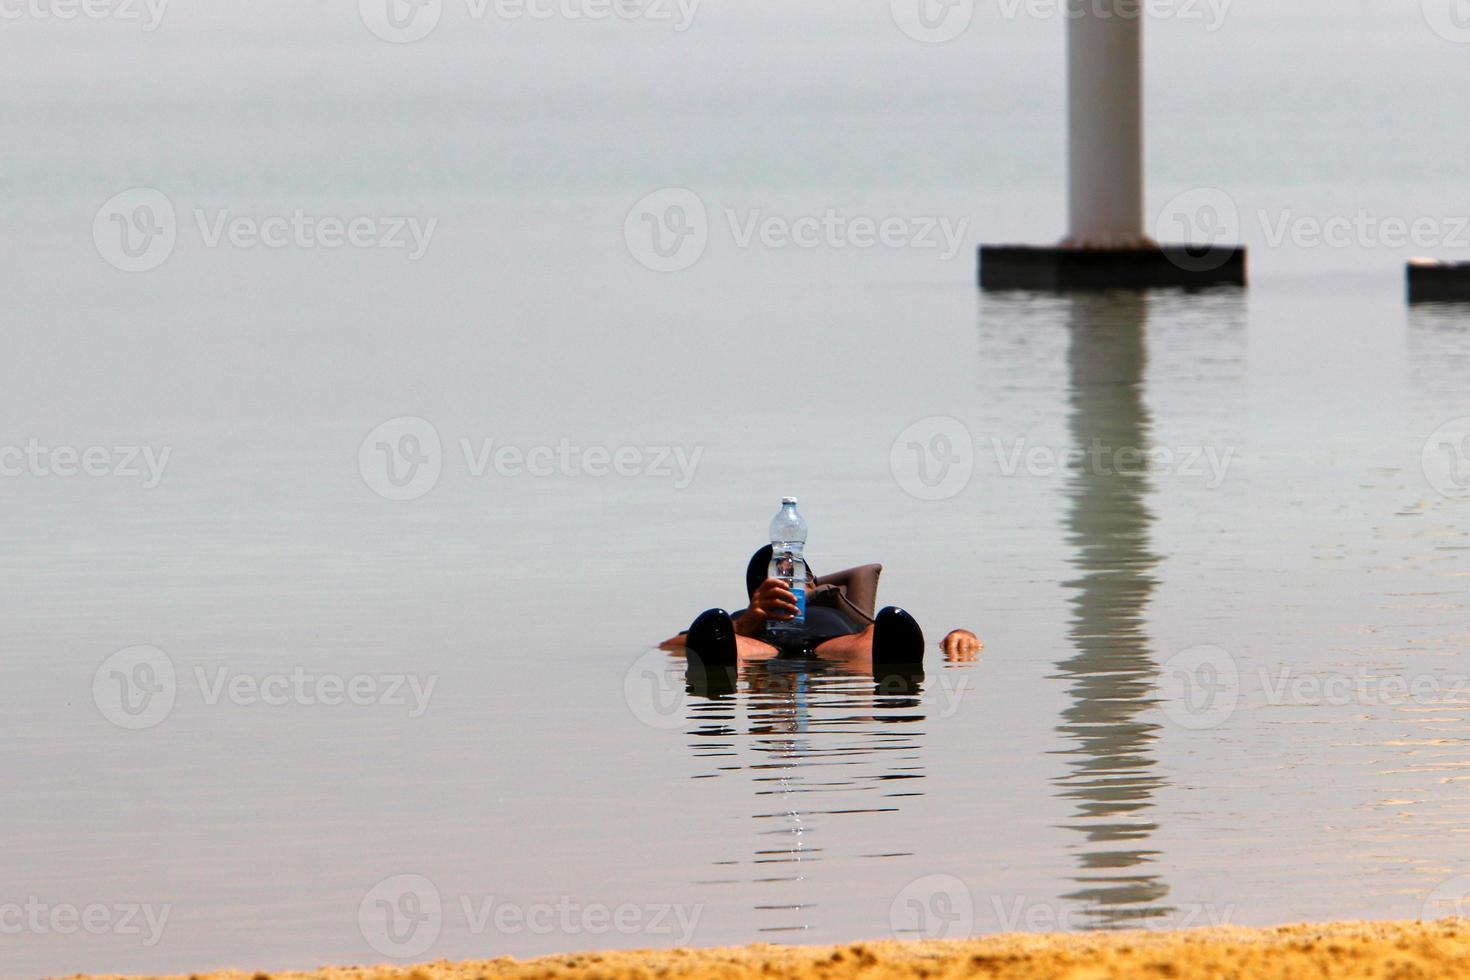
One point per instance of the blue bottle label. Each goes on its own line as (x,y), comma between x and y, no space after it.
(800,607)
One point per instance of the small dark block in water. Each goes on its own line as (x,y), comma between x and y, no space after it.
(1431,280)
(1058,268)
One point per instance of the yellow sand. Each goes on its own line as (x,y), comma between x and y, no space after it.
(1353,949)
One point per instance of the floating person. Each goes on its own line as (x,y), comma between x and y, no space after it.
(839,622)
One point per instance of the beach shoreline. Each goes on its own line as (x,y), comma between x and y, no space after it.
(1407,949)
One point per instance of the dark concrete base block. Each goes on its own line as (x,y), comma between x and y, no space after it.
(1430,280)
(1054,267)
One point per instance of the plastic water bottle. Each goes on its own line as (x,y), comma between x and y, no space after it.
(788,538)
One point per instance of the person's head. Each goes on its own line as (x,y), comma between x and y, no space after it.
(759,570)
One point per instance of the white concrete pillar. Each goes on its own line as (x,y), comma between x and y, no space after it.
(1105,124)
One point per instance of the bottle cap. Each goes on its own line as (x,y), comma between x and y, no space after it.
(787,500)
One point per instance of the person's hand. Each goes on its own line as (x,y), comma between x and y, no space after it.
(774,600)
(961,646)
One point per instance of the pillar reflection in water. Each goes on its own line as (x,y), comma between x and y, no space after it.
(1111,675)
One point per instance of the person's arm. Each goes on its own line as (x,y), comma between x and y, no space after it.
(747,623)
(772,600)
(859,587)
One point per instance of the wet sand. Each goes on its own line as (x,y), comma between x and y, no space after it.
(1355,949)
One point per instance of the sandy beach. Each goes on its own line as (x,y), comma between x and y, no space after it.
(1353,949)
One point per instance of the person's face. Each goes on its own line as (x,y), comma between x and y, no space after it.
(784,571)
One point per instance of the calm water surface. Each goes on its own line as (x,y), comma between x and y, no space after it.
(1186,710)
